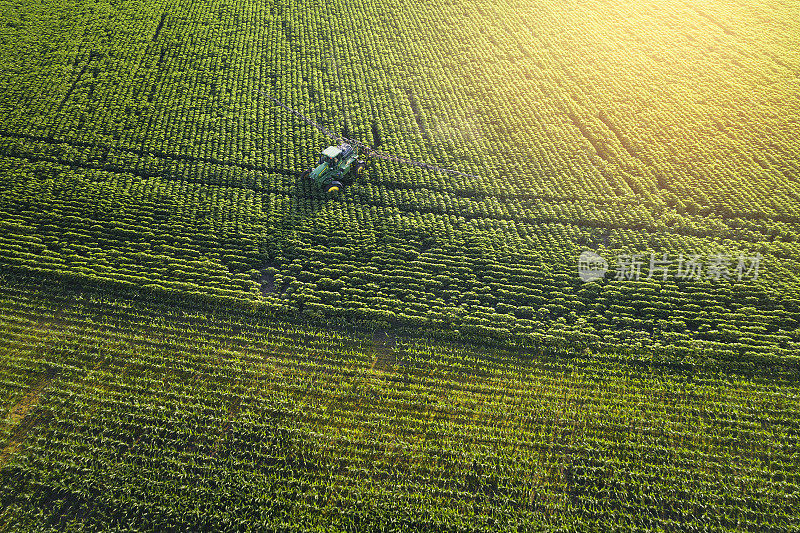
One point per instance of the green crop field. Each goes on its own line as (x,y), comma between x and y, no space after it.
(592,325)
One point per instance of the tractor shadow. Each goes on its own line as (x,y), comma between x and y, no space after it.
(296,223)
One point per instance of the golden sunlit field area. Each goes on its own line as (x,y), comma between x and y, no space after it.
(563,295)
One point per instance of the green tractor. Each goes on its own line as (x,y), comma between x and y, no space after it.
(340,163)
(337,164)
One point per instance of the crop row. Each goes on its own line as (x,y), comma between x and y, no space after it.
(505,279)
(163,407)
(486,96)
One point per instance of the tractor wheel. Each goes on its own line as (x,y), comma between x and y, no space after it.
(334,187)
(360,168)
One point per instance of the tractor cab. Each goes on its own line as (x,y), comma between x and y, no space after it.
(331,155)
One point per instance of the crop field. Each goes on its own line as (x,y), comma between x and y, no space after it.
(209,421)
(193,337)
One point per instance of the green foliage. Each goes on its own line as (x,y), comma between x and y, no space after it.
(140,162)
(127,414)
